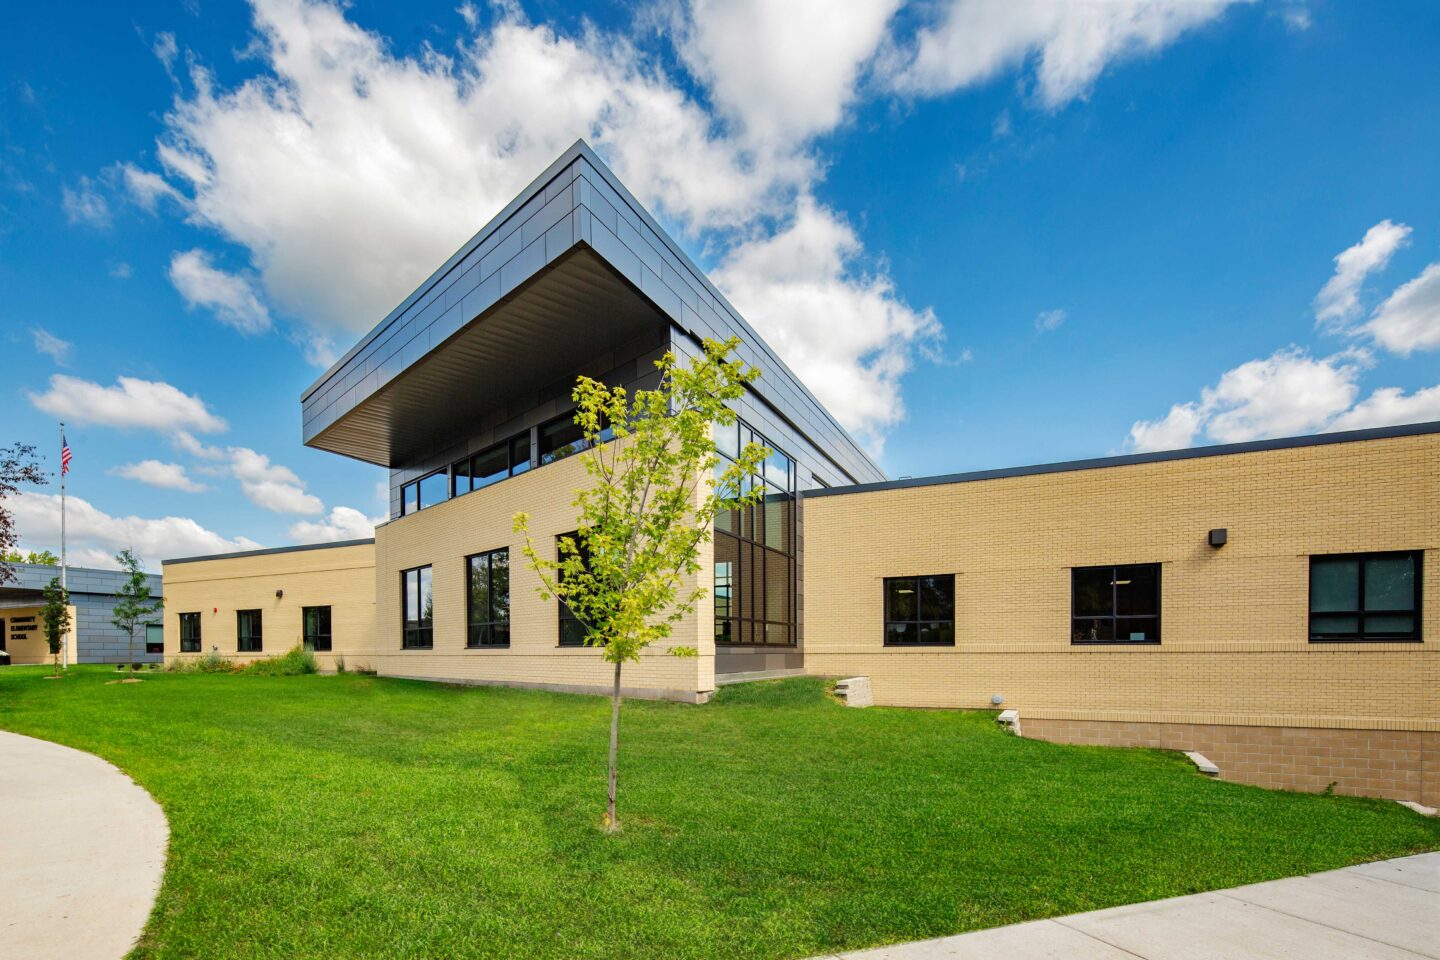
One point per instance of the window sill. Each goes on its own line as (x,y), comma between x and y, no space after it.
(1366,640)
(1114,643)
(488,646)
(909,646)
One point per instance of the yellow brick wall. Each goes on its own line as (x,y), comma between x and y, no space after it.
(1234,619)
(25,641)
(442,536)
(342,578)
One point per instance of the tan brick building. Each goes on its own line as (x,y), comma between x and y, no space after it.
(1262,603)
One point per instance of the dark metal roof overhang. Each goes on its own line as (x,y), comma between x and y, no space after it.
(571,311)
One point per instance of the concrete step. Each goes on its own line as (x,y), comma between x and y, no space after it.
(725,679)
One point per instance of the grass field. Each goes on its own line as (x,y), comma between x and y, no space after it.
(348,816)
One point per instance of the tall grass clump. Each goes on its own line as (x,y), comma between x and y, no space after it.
(296,662)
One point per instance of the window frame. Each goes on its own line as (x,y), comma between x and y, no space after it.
(1158,616)
(423,632)
(158,646)
(197,641)
(1360,614)
(564,614)
(886,620)
(257,637)
(307,638)
(471,641)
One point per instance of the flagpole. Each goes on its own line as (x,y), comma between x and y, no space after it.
(66,641)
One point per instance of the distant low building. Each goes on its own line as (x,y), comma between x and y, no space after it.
(94,639)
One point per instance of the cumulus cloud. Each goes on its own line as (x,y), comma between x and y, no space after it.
(1289,393)
(847,334)
(155,473)
(83,203)
(1409,319)
(1391,405)
(973,41)
(1047,320)
(1338,302)
(148,404)
(229,296)
(94,537)
(342,523)
(52,346)
(782,72)
(271,486)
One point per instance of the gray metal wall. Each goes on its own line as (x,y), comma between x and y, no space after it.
(92,592)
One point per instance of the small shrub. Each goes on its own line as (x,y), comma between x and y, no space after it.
(212,662)
(339,663)
(296,662)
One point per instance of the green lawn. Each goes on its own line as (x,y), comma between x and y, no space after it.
(350,816)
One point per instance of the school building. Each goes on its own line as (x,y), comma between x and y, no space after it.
(1263,603)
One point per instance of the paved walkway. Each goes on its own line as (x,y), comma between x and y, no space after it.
(1380,911)
(81,853)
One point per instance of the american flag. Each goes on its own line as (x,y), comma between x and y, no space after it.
(64,455)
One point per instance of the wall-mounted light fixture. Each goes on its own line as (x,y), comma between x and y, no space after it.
(279,594)
(1218,536)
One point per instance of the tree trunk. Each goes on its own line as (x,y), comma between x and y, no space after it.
(612,822)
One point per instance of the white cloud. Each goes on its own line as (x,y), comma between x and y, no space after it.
(1409,319)
(121,271)
(149,404)
(269,485)
(83,203)
(229,296)
(782,72)
(1338,302)
(52,346)
(1391,405)
(1047,320)
(94,537)
(847,334)
(1289,393)
(1072,43)
(147,188)
(1286,394)
(342,523)
(168,476)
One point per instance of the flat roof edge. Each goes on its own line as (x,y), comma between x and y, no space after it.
(1159,456)
(297,548)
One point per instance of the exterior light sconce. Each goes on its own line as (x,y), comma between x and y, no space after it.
(279,594)
(1218,537)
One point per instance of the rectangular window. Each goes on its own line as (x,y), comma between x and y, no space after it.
(572,630)
(561,438)
(189,633)
(920,611)
(316,621)
(434,489)
(417,604)
(488,604)
(1363,597)
(154,638)
(247,631)
(409,498)
(1115,604)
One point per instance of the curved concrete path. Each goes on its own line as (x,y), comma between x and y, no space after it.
(82,848)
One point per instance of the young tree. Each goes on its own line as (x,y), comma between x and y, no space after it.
(17,465)
(56,614)
(650,504)
(134,605)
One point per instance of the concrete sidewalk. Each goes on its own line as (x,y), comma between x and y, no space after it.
(82,849)
(1379,911)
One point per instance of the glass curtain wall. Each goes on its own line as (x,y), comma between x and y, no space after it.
(755,550)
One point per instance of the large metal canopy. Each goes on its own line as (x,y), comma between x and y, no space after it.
(572,312)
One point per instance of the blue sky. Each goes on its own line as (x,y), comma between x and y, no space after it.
(985,233)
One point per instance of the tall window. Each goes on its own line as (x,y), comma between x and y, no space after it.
(572,630)
(1115,604)
(488,613)
(189,633)
(247,631)
(154,638)
(316,623)
(417,610)
(755,549)
(1365,596)
(920,611)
